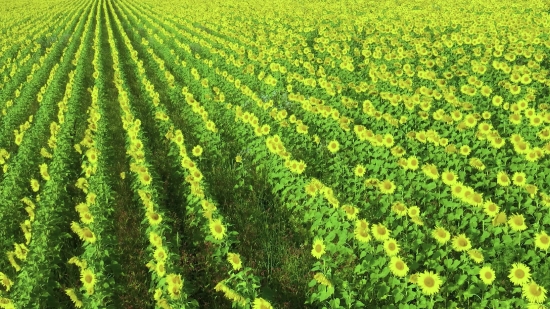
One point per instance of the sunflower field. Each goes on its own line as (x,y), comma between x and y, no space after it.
(274,154)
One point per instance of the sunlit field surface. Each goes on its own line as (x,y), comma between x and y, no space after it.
(274,154)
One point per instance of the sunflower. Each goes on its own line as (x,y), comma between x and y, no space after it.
(430,170)
(387,187)
(458,190)
(160,254)
(160,269)
(533,292)
(413,211)
(87,235)
(260,303)
(429,282)
(333,146)
(86,217)
(362,233)
(391,247)
(320,277)
(441,235)
(490,208)
(35,186)
(154,218)
(476,255)
(145,178)
(88,279)
(155,239)
(72,295)
(449,178)
(351,211)
(235,260)
(398,267)
(412,163)
(359,170)
(503,179)
(542,240)
(517,223)
(461,243)
(217,229)
(519,274)
(197,151)
(519,179)
(380,232)
(487,275)
(399,208)
(465,150)
(318,248)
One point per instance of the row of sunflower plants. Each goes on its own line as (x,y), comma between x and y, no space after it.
(15,54)
(24,71)
(15,183)
(164,280)
(197,199)
(95,262)
(44,248)
(273,144)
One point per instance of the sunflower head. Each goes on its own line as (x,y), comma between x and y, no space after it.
(519,274)
(487,275)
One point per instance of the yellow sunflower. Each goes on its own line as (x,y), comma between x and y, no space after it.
(391,247)
(217,229)
(412,163)
(380,232)
(154,218)
(333,146)
(461,243)
(449,178)
(88,279)
(533,292)
(542,240)
(387,187)
(235,260)
(260,303)
(476,255)
(318,248)
(359,170)
(490,208)
(487,275)
(197,151)
(399,208)
(351,211)
(519,274)
(398,267)
(503,179)
(517,223)
(413,211)
(441,235)
(35,186)
(429,282)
